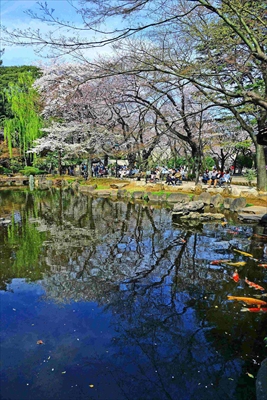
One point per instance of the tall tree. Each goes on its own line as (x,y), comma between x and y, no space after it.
(24,126)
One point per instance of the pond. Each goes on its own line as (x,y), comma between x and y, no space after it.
(124,302)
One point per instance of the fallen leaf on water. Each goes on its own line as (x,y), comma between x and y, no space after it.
(91,386)
(224,223)
(243,253)
(63,372)
(248,300)
(237,264)
(250,375)
(40,342)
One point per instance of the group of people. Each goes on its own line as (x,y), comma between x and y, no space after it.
(216,177)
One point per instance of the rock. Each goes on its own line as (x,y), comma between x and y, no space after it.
(245,217)
(178,198)
(183,209)
(252,214)
(192,215)
(121,193)
(252,193)
(238,204)
(178,208)
(216,200)
(118,185)
(155,198)
(75,185)
(254,210)
(101,193)
(194,206)
(205,198)
(138,195)
(227,203)
(198,188)
(87,188)
(261,381)
(203,217)
(211,216)
(113,194)
(235,191)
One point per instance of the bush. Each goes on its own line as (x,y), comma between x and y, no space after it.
(250,174)
(31,171)
(4,170)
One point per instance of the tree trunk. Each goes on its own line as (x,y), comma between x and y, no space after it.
(105,160)
(89,166)
(59,163)
(131,160)
(261,168)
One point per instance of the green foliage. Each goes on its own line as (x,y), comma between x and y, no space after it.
(10,75)
(244,161)
(4,170)
(31,171)
(250,174)
(16,164)
(21,130)
(208,163)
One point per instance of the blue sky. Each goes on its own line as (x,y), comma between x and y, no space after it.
(13,16)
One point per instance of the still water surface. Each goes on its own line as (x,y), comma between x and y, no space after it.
(126,302)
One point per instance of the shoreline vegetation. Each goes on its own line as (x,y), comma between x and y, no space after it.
(97,186)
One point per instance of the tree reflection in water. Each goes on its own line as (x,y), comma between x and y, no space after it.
(177,336)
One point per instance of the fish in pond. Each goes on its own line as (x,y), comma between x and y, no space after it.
(254,309)
(248,300)
(254,285)
(235,276)
(243,253)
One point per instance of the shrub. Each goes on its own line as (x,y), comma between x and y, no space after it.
(31,171)
(250,174)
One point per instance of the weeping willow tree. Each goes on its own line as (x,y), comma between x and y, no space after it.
(24,127)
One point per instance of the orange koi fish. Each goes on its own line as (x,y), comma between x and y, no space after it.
(254,285)
(248,300)
(235,276)
(262,265)
(254,309)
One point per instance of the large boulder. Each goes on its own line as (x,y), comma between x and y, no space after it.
(178,198)
(238,204)
(205,198)
(101,193)
(87,188)
(138,195)
(216,200)
(121,193)
(154,198)
(198,188)
(252,214)
(183,209)
(227,203)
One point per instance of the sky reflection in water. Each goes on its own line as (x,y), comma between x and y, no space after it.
(125,308)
